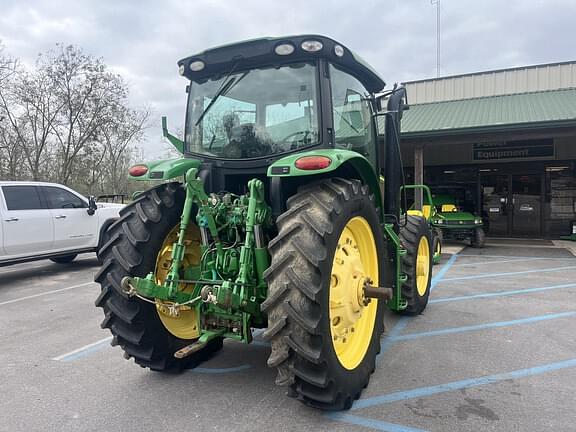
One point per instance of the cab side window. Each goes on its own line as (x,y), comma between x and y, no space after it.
(62,199)
(22,198)
(352,115)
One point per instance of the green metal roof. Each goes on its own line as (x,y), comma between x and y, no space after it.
(515,111)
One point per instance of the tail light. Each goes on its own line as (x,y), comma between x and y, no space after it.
(138,170)
(313,162)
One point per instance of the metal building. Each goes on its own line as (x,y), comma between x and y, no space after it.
(503,142)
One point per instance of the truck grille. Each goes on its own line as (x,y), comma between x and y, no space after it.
(453,222)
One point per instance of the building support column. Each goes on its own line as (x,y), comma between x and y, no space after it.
(418,175)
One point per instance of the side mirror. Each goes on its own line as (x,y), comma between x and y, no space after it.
(92,206)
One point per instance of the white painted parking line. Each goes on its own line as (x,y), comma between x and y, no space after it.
(82,351)
(45,293)
(19,269)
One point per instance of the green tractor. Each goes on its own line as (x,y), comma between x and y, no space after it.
(451,223)
(275,218)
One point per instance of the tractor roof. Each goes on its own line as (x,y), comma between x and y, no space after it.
(255,53)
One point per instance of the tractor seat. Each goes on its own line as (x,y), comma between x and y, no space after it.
(425,212)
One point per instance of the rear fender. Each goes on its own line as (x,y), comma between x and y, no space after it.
(166,169)
(340,160)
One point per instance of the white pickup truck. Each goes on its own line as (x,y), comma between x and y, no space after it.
(46,220)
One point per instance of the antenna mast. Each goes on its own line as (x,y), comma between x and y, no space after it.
(437,4)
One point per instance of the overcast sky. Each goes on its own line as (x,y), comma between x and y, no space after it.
(142,40)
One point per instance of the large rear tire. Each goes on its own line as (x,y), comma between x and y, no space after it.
(416,264)
(134,242)
(324,338)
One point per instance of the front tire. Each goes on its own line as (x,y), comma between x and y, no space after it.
(479,238)
(324,341)
(416,264)
(134,241)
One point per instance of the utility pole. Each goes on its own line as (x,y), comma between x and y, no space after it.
(437,4)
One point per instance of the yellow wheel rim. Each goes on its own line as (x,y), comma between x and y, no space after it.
(185,324)
(422,266)
(351,320)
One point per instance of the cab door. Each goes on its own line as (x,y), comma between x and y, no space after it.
(74,228)
(352,119)
(26,222)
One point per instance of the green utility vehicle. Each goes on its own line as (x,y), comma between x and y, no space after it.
(451,223)
(275,218)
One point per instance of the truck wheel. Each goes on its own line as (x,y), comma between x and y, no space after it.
(324,334)
(416,264)
(479,238)
(140,242)
(64,259)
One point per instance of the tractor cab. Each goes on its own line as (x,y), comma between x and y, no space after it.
(266,98)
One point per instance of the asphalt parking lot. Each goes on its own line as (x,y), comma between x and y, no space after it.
(494,351)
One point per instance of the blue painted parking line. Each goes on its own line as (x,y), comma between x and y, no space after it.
(403,321)
(501,293)
(466,383)
(85,350)
(371,423)
(391,336)
(493,275)
(440,275)
(464,329)
(519,257)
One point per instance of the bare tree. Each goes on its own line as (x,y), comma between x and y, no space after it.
(40,111)
(89,95)
(28,113)
(116,138)
(11,155)
(67,120)
(8,65)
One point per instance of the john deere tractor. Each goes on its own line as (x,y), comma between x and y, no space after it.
(276,218)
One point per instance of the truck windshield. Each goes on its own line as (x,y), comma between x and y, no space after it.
(256,113)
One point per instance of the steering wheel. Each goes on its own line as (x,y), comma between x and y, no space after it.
(294,134)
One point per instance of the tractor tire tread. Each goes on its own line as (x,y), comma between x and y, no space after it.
(410,235)
(295,281)
(134,324)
